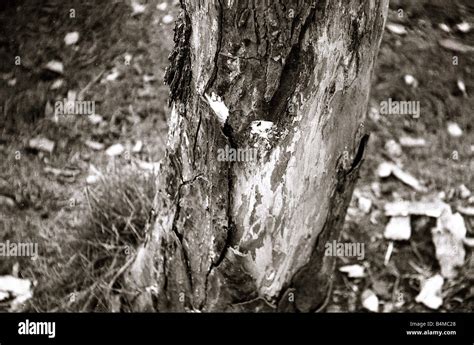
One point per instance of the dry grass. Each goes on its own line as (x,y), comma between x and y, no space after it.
(103,243)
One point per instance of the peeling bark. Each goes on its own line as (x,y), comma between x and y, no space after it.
(249,236)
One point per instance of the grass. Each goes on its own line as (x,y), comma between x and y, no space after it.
(98,246)
(85,233)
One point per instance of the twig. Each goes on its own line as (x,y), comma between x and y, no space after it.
(88,86)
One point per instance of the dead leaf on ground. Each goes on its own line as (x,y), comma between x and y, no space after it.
(115,150)
(454,130)
(396,29)
(456,46)
(448,238)
(20,290)
(41,144)
(412,142)
(353,271)
(430,294)
(55,66)
(386,169)
(398,229)
(137,8)
(71,38)
(370,301)
(433,208)
(94,145)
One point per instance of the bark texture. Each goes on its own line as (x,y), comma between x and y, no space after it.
(249,236)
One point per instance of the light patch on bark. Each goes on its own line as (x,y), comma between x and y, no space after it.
(219,107)
(261,128)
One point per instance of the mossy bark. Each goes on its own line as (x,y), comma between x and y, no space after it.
(249,236)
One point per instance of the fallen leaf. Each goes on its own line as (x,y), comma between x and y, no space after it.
(448,237)
(162,7)
(353,271)
(370,301)
(454,130)
(430,294)
(168,19)
(115,150)
(94,145)
(444,27)
(412,142)
(137,147)
(419,208)
(41,144)
(384,169)
(462,87)
(393,149)
(398,229)
(456,46)
(396,28)
(71,38)
(364,204)
(464,27)
(137,8)
(18,289)
(55,66)
(410,80)
(113,75)
(95,119)
(92,179)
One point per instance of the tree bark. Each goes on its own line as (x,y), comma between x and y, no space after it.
(250,235)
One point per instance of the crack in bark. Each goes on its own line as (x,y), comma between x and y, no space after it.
(215,70)
(289,77)
(178,73)
(196,140)
(178,235)
(230,222)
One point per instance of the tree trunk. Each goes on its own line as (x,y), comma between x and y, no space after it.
(248,234)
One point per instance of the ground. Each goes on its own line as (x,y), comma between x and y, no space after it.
(88,211)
